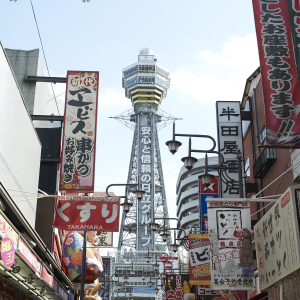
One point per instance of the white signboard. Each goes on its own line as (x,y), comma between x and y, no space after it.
(230,239)
(230,140)
(277,240)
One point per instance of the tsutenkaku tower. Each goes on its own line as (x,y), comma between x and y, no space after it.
(145,83)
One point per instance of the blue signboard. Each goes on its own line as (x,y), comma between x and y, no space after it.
(207,192)
(105,292)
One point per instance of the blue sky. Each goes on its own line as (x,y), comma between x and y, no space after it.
(209,46)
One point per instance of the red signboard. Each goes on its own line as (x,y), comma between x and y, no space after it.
(229,295)
(87,213)
(199,262)
(77,170)
(278,72)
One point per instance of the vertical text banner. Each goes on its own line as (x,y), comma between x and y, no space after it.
(230,140)
(276,238)
(199,262)
(207,192)
(177,287)
(79,140)
(231,245)
(278,68)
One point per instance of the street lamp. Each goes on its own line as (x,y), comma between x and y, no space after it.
(148,257)
(138,193)
(156,265)
(206,177)
(164,236)
(132,271)
(150,283)
(125,279)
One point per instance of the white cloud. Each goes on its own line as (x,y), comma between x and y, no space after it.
(112,100)
(218,76)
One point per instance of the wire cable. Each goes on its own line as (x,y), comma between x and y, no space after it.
(44,54)
(294,165)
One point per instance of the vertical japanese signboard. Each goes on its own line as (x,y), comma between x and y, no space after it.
(231,245)
(145,206)
(105,292)
(230,140)
(199,259)
(278,68)
(277,240)
(207,192)
(177,287)
(79,139)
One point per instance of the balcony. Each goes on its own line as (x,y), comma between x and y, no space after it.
(264,162)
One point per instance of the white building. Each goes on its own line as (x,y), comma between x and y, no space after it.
(187,191)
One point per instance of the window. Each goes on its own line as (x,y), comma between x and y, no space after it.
(262,136)
(246,124)
(247,167)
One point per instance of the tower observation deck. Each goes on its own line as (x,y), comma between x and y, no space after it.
(146,84)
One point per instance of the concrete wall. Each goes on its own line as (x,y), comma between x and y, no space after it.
(39,100)
(20,148)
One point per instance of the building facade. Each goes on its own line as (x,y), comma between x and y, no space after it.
(263,165)
(28,268)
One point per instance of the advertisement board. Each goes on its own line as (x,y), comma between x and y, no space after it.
(277,240)
(231,244)
(6,230)
(207,192)
(77,170)
(199,259)
(177,287)
(278,68)
(87,213)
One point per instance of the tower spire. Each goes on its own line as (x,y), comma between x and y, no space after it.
(146,84)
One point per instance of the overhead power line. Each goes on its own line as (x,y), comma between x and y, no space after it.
(44,54)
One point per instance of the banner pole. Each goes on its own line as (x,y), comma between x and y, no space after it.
(83,267)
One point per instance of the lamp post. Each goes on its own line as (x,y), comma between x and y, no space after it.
(189,161)
(138,192)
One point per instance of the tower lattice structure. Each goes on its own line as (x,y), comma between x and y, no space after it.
(146,84)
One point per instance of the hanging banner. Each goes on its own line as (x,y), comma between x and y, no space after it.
(167,267)
(79,139)
(199,259)
(207,192)
(87,213)
(230,140)
(278,69)
(277,240)
(231,244)
(178,288)
(104,239)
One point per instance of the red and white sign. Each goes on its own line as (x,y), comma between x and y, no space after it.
(199,260)
(87,213)
(77,170)
(229,295)
(172,263)
(29,257)
(278,72)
